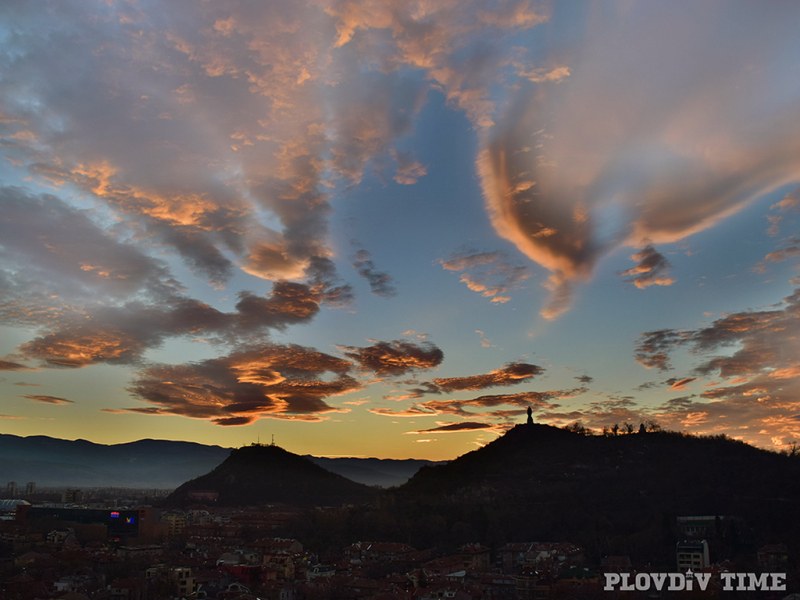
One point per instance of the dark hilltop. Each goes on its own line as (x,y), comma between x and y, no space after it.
(261,474)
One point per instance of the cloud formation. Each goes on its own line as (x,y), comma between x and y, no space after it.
(269,381)
(396,357)
(8,365)
(489,274)
(512,374)
(791,249)
(789,203)
(568,185)
(122,334)
(95,299)
(190,144)
(651,269)
(464,426)
(679,384)
(486,406)
(380,283)
(47,399)
(755,352)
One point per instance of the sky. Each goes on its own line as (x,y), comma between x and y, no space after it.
(374,228)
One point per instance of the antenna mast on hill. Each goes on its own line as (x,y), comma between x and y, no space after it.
(273,440)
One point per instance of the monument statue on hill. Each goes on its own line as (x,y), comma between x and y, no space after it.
(530,416)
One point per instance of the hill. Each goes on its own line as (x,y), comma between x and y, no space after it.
(614,495)
(254,475)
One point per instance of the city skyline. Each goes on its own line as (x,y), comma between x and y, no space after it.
(378,230)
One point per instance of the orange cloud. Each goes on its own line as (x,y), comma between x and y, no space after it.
(7,365)
(48,399)
(79,349)
(680,384)
(650,270)
(395,357)
(462,427)
(272,381)
(511,374)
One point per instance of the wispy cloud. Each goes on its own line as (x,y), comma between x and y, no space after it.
(680,384)
(789,250)
(8,365)
(511,374)
(491,406)
(380,283)
(489,274)
(652,269)
(789,203)
(464,426)
(48,399)
(485,341)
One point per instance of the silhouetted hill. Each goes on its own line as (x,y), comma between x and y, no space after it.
(612,494)
(144,463)
(257,474)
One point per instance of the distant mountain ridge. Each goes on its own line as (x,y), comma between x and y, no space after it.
(383,472)
(157,464)
(141,464)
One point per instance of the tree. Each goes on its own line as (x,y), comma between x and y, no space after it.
(578,427)
(792,450)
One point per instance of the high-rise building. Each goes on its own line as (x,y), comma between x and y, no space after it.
(30,488)
(11,489)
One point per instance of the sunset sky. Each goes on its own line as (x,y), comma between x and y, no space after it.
(375,228)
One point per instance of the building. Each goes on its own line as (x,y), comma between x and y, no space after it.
(773,558)
(11,489)
(30,488)
(88,523)
(541,556)
(176,522)
(184,580)
(8,508)
(692,555)
(72,496)
(707,527)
